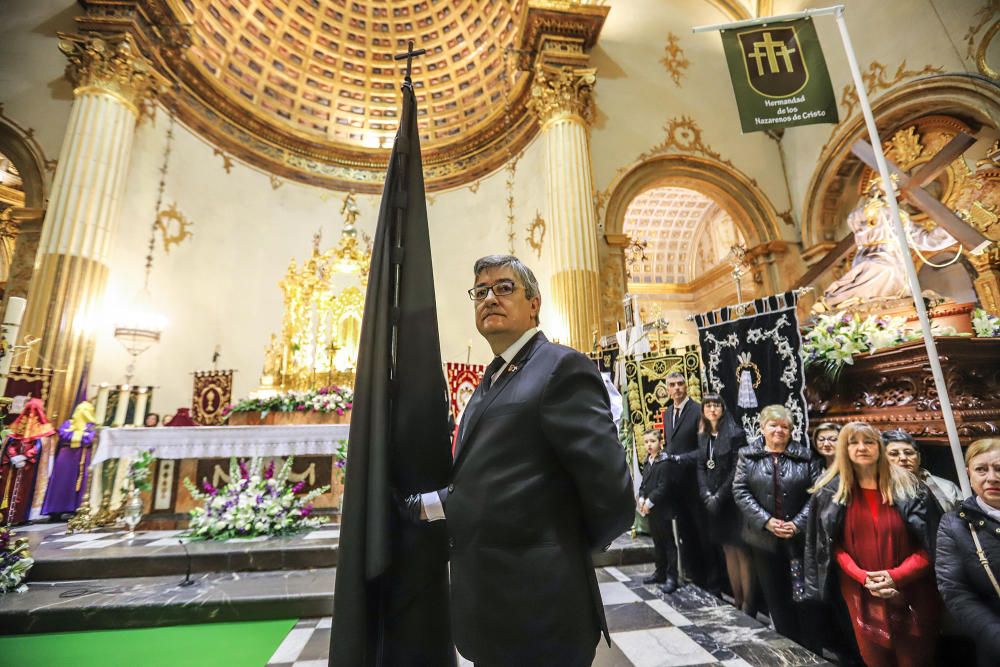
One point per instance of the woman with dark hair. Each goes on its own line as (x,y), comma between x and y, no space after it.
(902,450)
(968,553)
(824,442)
(771,488)
(719,442)
(874,524)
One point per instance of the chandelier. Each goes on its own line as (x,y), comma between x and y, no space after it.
(139,325)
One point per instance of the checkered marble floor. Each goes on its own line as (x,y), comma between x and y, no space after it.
(648,629)
(56,539)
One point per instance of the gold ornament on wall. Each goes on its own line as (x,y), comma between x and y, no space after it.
(560,92)
(173,227)
(683,136)
(110,67)
(986,15)
(275,181)
(673,59)
(227,162)
(536,234)
(876,80)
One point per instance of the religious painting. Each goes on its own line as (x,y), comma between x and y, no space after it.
(752,358)
(462,382)
(213,390)
(647,385)
(27,381)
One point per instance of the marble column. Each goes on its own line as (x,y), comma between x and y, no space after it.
(562,99)
(113,84)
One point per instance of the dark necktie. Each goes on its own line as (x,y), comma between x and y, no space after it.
(494,366)
(677,416)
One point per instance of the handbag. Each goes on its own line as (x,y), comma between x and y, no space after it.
(983,560)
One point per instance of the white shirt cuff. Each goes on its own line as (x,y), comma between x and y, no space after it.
(432,506)
(649,504)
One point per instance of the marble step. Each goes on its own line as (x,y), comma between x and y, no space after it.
(107,555)
(135,602)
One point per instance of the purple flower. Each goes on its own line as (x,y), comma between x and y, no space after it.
(299,486)
(209,489)
(323,390)
(306,511)
(269,472)
(341,463)
(340,411)
(244,473)
(300,407)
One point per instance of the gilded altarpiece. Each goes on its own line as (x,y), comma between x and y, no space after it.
(321,327)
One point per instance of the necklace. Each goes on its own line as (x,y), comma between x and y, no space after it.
(710,463)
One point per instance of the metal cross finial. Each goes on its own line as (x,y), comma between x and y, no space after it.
(409,56)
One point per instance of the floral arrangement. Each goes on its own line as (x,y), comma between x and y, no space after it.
(15,560)
(325,399)
(140,472)
(256,501)
(833,340)
(340,460)
(984,324)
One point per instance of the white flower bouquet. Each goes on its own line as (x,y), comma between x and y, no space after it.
(256,501)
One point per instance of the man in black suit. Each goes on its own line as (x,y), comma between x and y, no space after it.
(681,418)
(539,482)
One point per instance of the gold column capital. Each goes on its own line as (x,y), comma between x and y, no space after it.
(111,66)
(563,92)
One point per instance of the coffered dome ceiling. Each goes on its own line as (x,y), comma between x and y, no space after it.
(309,90)
(325,69)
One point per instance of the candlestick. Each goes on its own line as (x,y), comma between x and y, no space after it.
(122,408)
(141,397)
(101,409)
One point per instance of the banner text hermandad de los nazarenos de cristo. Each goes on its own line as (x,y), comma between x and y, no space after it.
(779,75)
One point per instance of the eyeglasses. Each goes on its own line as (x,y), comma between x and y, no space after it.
(499,288)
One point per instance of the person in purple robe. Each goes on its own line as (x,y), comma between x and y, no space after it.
(71,470)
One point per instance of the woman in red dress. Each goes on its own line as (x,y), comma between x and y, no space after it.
(874,524)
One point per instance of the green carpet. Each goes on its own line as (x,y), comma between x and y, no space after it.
(249,644)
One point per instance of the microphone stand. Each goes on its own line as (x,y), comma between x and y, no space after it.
(188,581)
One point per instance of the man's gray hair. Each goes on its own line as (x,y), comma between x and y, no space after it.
(677,374)
(521,272)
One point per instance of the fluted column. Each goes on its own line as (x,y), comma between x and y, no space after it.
(561,96)
(112,84)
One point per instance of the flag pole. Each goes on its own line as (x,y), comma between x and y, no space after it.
(897,226)
(911,271)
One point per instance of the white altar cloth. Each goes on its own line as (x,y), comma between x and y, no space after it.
(207,442)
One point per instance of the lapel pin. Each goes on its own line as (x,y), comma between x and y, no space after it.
(512,368)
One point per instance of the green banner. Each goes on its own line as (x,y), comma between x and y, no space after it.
(779,76)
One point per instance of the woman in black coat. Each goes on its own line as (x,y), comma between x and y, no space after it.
(771,488)
(968,585)
(719,442)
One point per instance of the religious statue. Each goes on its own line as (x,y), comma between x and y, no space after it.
(877,270)
(69,478)
(272,358)
(19,462)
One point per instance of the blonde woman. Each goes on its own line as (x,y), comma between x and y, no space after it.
(874,524)
(968,585)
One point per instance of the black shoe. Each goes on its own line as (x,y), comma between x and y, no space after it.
(654,579)
(669,586)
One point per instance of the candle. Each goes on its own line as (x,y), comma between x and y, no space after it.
(101,410)
(142,396)
(11,325)
(123,393)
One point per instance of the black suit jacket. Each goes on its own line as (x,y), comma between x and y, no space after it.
(538,483)
(682,441)
(654,484)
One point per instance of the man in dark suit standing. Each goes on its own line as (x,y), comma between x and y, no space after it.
(539,481)
(681,418)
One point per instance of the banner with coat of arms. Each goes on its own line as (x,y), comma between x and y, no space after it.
(646,380)
(752,358)
(462,381)
(213,390)
(779,75)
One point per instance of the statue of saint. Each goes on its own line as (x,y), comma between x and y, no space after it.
(877,270)
(272,358)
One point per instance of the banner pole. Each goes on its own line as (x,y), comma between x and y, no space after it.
(911,271)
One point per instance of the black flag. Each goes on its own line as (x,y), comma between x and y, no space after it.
(391,597)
